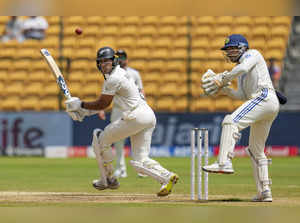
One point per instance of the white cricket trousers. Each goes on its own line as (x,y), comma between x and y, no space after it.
(258,113)
(139,129)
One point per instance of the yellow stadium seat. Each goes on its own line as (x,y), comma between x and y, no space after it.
(176,65)
(203,104)
(150,20)
(260,31)
(180,43)
(40,65)
(53,20)
(18,75)
(141,53)
(31,103)
(181,104)
(85,53)
(202,31)
(217,42)
(3,76)
(14,88)
(140,65)
(70,30)
(131,30)
(200,43)
(22,64)
(5,64)
(262,20)
(8,52)
(277,43)
(157,65)
(199,53)
(275,53)
(51,42)
(53,30)
(182,31)
(243,20)
(224,20)
(152,89)
(168,30)
(2,86)
(151,101)
(168,20)
(106,41)
(77,76)
(215,65)
(93,89)
(163,42)
(196,66)
(74,20)
(34,88)
(228,66)
(172,77)
(87,42)
(50,89)
(77,89)
(223,30)
(109,30)
(131,20)
(258,43)
(160,53)
(165,104)
(223,104)
(168,89)
(10,103)
(281,20)
(203,20)
(147,30)
(49,104)
(144,42)
(95,77)
(178,54)
(112,20)
(79,65)
(39,76)
(243,30)
(91,30)
(215,55)
(93,20)
(182,89)
(280,31)
(151,77)
(196,89)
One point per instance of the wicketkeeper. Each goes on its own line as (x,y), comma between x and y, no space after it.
(259,110)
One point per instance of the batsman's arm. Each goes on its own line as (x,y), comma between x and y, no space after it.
(103,102)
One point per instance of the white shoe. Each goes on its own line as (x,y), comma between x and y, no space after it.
(216,168)
(265,196)
(111,184)
(120,173)
(140,175)
(166,189)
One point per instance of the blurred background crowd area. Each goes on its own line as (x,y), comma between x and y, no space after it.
(170,52)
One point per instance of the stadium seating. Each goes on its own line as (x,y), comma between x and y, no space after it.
(171,53)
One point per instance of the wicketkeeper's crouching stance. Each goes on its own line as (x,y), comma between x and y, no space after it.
(259,110)
(137,122)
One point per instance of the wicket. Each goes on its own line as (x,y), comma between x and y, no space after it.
(200,134)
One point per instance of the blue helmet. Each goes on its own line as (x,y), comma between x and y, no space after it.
(236,40)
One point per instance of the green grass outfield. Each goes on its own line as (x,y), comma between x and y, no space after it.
(59,190)
(71,179)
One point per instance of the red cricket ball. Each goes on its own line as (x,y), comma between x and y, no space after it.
(78,31)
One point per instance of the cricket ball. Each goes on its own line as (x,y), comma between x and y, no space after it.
(78,31)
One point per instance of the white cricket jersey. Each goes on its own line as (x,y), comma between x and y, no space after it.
(136,77)
(256,75)
(126,93)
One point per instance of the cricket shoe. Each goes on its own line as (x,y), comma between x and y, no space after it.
(265,196)
(166,188)
(217,168)
(112,183)
(120,173)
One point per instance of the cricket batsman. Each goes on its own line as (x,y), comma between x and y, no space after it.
(137,122)
(259,110)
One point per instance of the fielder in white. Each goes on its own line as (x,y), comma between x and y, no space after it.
(259,110)
(137,122)
(121,170)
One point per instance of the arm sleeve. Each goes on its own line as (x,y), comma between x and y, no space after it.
(138,81)
(111,86)
(238,94)
(250,59)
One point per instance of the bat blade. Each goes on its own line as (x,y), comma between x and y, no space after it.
(56,72)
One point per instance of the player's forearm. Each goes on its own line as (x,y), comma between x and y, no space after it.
(94,105)
(235,72)
(233,94)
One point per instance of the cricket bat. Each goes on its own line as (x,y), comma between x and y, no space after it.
(56,72)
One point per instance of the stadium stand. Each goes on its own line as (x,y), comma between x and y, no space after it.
(170,52)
